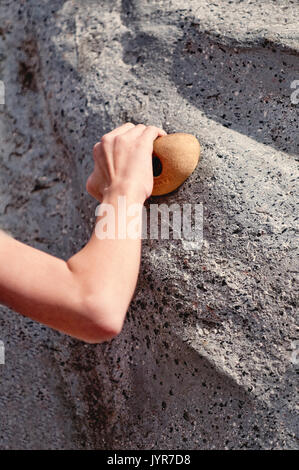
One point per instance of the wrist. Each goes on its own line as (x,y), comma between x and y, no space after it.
(126,189)
(122,212)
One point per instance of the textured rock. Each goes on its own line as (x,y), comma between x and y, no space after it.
(205,357)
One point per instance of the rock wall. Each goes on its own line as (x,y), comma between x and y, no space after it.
(206,357)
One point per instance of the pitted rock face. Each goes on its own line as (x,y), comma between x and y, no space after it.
(206,356)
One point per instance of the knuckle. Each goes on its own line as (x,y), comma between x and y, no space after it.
(96,146)
(106,139)
(120,139)
(96,150)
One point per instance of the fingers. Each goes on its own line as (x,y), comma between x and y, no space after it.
(121,129)
(147,132)
(135,132)
(161,132)
(152,132)
(131,131)
(96,148)
(108,138)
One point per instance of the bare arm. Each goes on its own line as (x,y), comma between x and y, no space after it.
(87,297)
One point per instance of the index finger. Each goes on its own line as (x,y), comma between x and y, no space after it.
(152,132)
(121,129)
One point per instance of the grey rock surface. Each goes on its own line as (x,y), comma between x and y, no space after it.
(206,357)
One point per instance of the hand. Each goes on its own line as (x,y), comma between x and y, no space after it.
(123,163)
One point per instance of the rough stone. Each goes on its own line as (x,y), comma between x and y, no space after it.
(206,357)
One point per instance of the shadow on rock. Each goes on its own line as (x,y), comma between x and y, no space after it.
(245,87)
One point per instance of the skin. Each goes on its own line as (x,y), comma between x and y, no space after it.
(88,295)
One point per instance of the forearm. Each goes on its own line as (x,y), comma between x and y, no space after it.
(86,297)
(42,287)
(107,269)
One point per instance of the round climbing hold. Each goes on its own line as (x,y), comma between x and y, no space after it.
(175,157)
